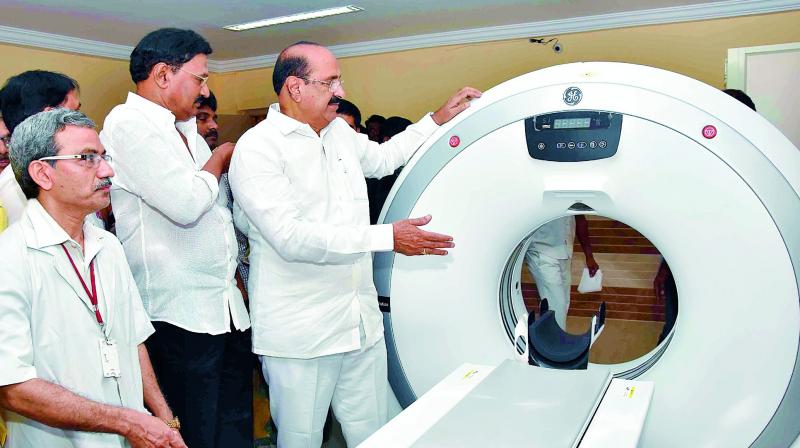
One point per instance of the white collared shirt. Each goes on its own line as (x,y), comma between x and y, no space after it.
(173,223)
(304,198)
(11,195)
(48,328)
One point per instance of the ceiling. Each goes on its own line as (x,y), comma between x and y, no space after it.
(125,22)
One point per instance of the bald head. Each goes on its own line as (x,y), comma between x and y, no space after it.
(308,82)
(292,61)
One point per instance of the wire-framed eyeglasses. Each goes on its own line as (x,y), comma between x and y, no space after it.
(333,85)
(203,79)
(92,159)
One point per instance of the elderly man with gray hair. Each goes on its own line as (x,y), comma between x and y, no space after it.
(75,371)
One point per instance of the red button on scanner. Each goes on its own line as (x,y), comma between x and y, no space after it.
(709,132)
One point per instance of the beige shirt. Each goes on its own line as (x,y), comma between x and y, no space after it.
(48,328)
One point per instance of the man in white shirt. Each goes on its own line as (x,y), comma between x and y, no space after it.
(549,260)
(75,371)
(298,176)
(178,235)
(22,96)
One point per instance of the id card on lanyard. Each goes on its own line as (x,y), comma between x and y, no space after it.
(109,355)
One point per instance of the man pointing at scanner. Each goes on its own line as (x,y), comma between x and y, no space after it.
(298,177)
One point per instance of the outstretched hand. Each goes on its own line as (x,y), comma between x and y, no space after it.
(409,239)
(455,105)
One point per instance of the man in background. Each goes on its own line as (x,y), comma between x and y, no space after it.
(374,126)
(378,189)
(350,113)
(5,138)
(22,96)
(549,260)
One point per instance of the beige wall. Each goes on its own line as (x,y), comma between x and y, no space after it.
(411,83)
(104,82)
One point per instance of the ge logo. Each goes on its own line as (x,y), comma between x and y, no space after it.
(573,96)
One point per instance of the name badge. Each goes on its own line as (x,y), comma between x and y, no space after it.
(109,357)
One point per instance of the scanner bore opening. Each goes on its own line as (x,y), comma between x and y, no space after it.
(638,289)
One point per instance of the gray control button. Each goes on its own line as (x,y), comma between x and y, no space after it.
(561,145)
(581,145)
(571,145)
(541,146)
(603,144)
(593,144)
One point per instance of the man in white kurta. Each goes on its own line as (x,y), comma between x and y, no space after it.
(72,326)
(298,176)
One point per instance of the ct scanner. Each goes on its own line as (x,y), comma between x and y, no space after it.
(712,184)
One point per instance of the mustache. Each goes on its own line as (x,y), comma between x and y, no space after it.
(105,182)
(334,100)
(199,100)
(211,133)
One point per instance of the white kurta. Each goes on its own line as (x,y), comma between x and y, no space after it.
(175,227)
(48,329)
(305,200)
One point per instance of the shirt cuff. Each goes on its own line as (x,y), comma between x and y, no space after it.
(426,125)
(213,183)
(17,374)
(382,238)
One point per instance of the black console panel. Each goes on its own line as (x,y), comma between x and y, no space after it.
(573,136)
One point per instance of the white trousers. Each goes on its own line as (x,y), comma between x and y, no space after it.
(355,384)
(553,278)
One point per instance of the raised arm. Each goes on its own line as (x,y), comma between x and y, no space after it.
(156,170)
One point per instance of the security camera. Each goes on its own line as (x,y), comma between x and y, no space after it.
(558,48)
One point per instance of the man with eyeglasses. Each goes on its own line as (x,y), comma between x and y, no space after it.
(75,371)
(178,236)
(298,177)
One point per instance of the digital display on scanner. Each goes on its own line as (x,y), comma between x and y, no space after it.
(572,123)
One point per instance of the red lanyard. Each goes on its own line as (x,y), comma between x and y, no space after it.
(93,294)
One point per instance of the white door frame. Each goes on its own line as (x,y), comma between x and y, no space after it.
(736,65)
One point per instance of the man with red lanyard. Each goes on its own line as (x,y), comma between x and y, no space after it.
(75,371)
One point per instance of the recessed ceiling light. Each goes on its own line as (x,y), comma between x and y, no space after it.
(295,18)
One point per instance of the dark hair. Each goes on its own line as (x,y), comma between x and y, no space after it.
(348,108)
(742,97)
(31,92)
(287,66)
(375,119)
(210,102)
(394,125)
(171,46)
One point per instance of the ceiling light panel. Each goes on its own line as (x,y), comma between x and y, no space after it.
(295,18)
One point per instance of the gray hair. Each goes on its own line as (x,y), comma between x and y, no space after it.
(35,138)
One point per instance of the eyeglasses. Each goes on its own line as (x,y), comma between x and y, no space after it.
(333,85)
(6,140)
(203,79)
(92,159)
